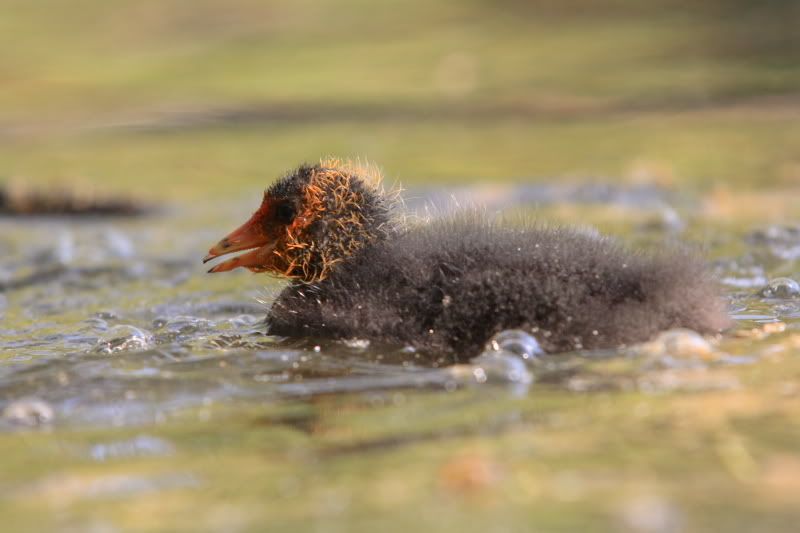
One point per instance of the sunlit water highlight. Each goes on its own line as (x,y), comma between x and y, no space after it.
(114,322)
(128,376)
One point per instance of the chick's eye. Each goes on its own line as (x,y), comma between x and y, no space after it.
(284,213)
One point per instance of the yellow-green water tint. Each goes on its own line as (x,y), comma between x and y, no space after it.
(196,106)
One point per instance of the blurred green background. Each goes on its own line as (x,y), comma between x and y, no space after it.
(202,103)
(180,100)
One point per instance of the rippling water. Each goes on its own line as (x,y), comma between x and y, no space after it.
(113,323)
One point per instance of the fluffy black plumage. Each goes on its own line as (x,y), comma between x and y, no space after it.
(447,287)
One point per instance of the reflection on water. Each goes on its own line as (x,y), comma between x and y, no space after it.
(117,349)
(114,322)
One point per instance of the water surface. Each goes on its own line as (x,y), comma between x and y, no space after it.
(134,388)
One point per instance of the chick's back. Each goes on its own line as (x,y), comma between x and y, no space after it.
(447,287)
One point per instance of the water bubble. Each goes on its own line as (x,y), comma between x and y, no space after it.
(29,412)
(500,367)
(679,343)
(781,288)
(503,360)
(517,342)
(123,338)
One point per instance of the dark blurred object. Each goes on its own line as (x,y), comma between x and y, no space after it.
(760,30)
(20,202)
(751,30)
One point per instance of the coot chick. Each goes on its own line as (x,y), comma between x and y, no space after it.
(445,287)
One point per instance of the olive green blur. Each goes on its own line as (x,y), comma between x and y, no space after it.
(196,106)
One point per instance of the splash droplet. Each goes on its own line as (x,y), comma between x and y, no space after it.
(123,338)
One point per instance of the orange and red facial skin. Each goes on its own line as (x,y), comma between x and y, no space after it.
(334,214)
(277,246)
(252,235)
(262,234)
